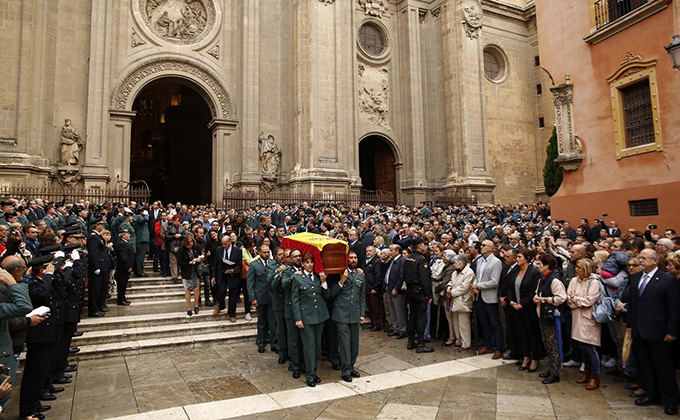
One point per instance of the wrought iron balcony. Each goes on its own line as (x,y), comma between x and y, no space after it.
(608,11)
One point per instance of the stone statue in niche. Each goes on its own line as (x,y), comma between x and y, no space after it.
(71,144)
(177,20)
(270,160)
(472,10)
(373,7)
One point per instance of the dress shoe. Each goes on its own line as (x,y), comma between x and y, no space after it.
(73,350)
(632,387)
(232,319)
(544,374)
(296,374)
(260,349)
(485,351)
(423,348)
(551,379)
(530,370)
(336,367)
(347,378)
(70,369)
(497,355)
(290,368)
(96,315)
(401,336)
(66,376)
(317,379)
(634,395)
(282,360)
(77,333)
(46,396)
(43,407)
(61,381)
(126,301)
(584,378)
(646,401)
(594,383)
(55,389)
(355,374)
(104,309)
(123,303)
(392,333)
(143,275)
(523,367)
(671,411)
(196,310)
(216,311)
(411,345)
(311,384)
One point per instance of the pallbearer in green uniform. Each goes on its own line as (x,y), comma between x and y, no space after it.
(310,292)
(348,313)
(293,333)
(279,300)
(258,290)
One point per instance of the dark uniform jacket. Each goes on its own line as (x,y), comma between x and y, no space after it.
(125,256)
(17,307)
(417,277)
(349,304)
(287,284)
(309,299)
(43,294)
(98,253)
(374,275)
(258,281)
(277,292)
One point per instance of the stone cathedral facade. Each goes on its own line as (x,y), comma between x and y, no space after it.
(414,97)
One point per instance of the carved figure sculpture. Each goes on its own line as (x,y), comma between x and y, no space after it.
(71,144)
(373,7)
(472,11)
(270,160)
(177,19)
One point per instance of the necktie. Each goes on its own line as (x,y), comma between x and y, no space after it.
(643,284)
(387,274)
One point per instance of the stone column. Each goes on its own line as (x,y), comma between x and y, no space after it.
(120,134)
(466,121)
(224,167)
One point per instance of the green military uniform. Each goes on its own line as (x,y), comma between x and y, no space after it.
(51,223)
(23,220)
(3,220)
(141,238)
(115,227)
(61,222)
(127,226)
(258,289)
(309,306)
(293,338)
(83,225)
(349,306)
(278,294)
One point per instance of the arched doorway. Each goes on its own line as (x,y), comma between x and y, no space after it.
(171,145)
(377,165)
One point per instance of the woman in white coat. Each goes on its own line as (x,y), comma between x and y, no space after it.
(459,292)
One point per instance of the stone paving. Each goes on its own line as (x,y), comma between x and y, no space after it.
(181,379)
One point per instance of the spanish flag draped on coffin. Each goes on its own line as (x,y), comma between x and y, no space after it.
(330,255)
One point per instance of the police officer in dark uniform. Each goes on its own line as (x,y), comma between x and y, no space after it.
(293,339)
(99,266)
(418,294)
(40,339)
(278,294)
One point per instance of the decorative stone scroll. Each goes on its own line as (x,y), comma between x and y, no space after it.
(374,94)
(472,11)
(373,7)
(327,2)
(569,148)
(220,104)
(181,22)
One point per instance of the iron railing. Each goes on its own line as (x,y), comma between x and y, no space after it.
(241,200)
(93,195)
(442,200)
(607,11)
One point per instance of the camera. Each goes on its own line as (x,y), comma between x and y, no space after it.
(652,227)
(4,371)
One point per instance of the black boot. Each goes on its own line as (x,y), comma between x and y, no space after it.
(411,343)
(423,348)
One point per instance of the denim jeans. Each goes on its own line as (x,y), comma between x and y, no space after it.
(590,358)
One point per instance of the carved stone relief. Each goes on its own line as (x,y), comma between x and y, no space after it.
(215,51)
(270,161)
(327,2)
(472,11)
(121,94)
(374,94)
(568,146)
(373,7)
(136,40)
(180,22)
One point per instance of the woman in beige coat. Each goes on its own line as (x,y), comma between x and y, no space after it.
(459,291)
(582,295)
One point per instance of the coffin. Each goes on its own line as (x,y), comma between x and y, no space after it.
(330,255)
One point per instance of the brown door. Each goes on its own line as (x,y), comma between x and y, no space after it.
(385,175)
(376,165)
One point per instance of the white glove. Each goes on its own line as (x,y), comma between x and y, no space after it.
(59,254)
(68,264)
(75,255)
(97,271)
(146,212)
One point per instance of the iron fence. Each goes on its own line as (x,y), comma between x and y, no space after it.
(456,200)
(241,200)
(607,11)
(94,195)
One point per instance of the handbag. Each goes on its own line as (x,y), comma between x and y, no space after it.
(604,310)
(244,269)
(548,311)
(627,347)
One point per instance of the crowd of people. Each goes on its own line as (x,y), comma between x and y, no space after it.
(507,280)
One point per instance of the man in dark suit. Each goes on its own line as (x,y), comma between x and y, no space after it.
(508,275)
(357,246)
(654,316)
(98,267)
(154,216)
(226,275)
(125,259)
(395,293)
(374,288)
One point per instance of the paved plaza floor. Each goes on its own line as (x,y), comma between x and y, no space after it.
(235,381)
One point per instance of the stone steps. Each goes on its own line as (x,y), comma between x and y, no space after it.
(155,345)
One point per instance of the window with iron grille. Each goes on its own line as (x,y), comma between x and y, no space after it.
(372,39)
(639,120)
(639,208)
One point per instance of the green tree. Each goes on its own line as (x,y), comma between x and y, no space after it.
(552,172)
